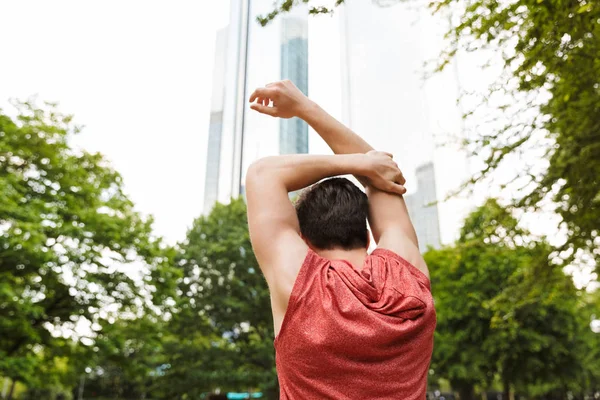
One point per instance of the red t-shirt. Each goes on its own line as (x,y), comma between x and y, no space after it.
(356,335)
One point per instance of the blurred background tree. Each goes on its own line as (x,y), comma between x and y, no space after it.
(69,241)
(219,333)
(507,317)
(223,284)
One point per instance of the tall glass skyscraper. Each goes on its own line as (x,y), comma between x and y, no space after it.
(293,132)
(253,57)
(423,208)
(215,130)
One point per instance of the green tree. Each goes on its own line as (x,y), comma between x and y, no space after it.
(549,47)
(549,91)
(503,310)
(68,233)
(131,359)
(225,312)
(588,381)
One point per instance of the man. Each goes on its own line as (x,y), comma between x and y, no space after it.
(348,325)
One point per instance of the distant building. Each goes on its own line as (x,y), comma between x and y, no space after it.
(250,56)
(215,130)
(293,132)
(423,209)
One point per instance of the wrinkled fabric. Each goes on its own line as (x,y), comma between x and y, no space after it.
(350,334)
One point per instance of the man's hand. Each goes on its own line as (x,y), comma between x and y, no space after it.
(280,99)
(383,172)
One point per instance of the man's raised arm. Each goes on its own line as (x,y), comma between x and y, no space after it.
(388,215)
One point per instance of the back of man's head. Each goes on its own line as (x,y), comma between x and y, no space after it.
(333,215)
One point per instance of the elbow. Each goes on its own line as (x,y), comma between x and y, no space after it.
(258,170)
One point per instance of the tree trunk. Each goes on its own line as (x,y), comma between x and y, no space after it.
(507,393)
(4,388)
(12,390)
(81,387)
(466,391)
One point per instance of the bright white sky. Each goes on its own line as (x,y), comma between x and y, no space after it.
(137,74)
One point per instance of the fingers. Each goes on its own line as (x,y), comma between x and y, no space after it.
(263,100)
(268,91)
(400,179)
(272,111)
(396,188)
(279,83)
(377,152)
(264,92)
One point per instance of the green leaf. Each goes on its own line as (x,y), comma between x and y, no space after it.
(584,8)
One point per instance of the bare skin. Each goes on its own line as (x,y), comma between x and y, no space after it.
(274,227)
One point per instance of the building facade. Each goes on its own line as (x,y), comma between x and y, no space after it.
(423,209)
(215,130)
(253,57)
(293,132)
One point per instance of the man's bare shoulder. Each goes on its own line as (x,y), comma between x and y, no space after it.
(405,249)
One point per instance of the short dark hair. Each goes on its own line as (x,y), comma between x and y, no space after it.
(333,214)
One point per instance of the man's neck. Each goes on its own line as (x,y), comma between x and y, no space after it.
(356,257)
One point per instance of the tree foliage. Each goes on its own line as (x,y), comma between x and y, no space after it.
(226,299)
(217,335)
(131,359)
(68,234)
(505,313)
(551,58)
(72,310)
(286,5)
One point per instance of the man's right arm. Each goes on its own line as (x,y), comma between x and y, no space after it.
(388,215)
